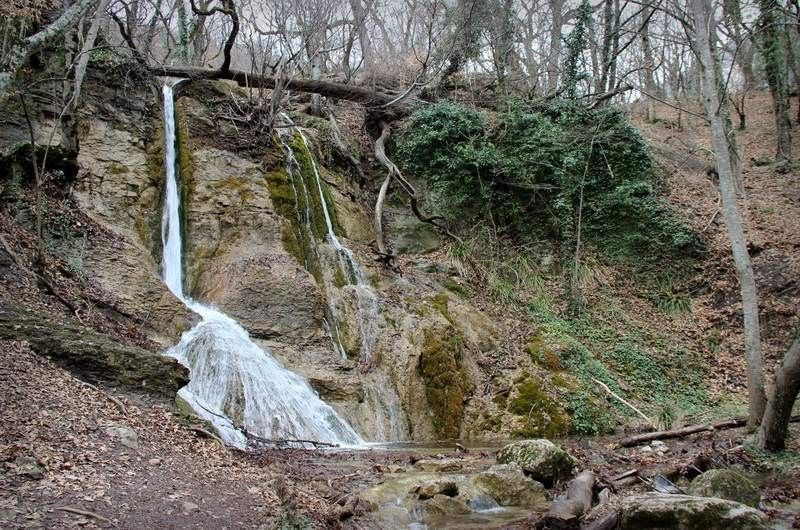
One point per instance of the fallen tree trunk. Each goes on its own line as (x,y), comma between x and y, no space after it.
(369,98)
(565,513)
(686,431)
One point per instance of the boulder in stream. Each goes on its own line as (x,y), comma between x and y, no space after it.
(686,512)
(726,484)
(508,485)
(540,459)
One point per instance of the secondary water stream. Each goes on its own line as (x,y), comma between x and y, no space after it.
(235,384)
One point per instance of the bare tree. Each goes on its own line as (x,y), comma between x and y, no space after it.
(703,30)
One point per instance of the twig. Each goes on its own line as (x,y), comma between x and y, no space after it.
(108,396)
(618,398)
(86,513)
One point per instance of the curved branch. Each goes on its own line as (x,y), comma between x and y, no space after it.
(394,173)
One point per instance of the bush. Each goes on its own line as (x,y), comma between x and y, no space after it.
(530,171)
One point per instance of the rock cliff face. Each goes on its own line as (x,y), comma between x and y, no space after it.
(396,355)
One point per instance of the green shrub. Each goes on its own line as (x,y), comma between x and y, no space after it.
(529,171)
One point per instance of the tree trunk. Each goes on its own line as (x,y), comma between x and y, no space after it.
(554,56)
(35,42)
(727,170)
(776,70)
(649,66)
(775,423)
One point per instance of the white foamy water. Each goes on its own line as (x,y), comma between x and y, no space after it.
(235,384)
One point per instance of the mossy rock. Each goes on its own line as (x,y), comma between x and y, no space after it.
(95,356)
(544,351)
(685,512)
(540,459)
(409,236)
(440,366)
(726,484)
(539,414)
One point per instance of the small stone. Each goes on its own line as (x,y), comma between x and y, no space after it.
(188,507)
(396,469)
(439,466)
(125,435)
(28,467)
(646,449)
(154,461)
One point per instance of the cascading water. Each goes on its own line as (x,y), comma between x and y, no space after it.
(388,418)
(235,384)
(366,300)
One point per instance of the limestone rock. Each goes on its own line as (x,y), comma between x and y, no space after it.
(409,236)
(94,355)
(445,505)
(685,512)
(726,484)
(437,487)
(125,435)
(508,485)
(540,459)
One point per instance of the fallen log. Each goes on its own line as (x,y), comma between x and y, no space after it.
(732,423)
(365,96)
(565,512)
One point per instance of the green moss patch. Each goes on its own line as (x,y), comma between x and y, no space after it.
(540,414)
(440,367)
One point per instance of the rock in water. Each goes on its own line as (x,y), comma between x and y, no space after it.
(726,484)
(437,487)
(445,505)
(508,485)
(540,459)
(685,512)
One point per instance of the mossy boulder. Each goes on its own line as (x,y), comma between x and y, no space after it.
(538,412)
(540,459)
(726,484)
(686,512)
(508,485)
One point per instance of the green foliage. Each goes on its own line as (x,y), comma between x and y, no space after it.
(669,299)
(576,44)
(588,415)
(530,171)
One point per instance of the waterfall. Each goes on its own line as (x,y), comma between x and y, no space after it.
(235,384)
(380,395)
